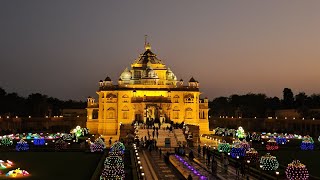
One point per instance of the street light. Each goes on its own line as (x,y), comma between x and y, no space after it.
(260,171)
(248,161)
(277,173)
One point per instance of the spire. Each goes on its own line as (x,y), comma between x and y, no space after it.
(147,45)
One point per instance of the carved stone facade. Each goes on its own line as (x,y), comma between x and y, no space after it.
(147,91)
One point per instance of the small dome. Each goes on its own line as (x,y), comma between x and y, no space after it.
(181,79)
(107,78)
(100,81)
(125,75)
(192,80)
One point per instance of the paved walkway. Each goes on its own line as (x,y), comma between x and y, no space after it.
(162,170)
(230,175)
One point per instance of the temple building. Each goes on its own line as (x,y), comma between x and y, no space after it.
(148,91)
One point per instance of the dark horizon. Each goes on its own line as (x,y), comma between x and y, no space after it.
(62,49)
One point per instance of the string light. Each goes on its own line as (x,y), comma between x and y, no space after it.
(237,150)
(297,170)
(281,140)
(245,144)
(269,163)
(240,133)
(255,137)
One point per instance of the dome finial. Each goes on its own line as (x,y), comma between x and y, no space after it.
(147,45)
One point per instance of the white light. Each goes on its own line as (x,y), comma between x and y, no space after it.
(277,173)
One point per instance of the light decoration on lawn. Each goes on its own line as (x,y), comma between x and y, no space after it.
(7,164)
(240,133)
(281,140)
(117,147)
(39,142)
(17,173)
(252,155)
(77,131)
(113,168)
(245,144)
(297,171)
(98,145)
(307,143)
(67,137)
(191,168)
(6,141)
(272,145)
(255,137)
(22,145)
(269,163)
(60,145)
(237,150)
(224,147)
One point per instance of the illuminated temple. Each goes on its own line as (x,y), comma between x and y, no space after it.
(147,91)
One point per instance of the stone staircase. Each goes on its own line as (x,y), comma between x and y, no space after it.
(163,134)
(180,137)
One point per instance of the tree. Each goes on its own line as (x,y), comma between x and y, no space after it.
(288,100)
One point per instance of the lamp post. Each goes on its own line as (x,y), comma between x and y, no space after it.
(277,173)
(260,172)
(248,161)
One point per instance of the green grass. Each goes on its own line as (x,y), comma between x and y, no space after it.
(54,165)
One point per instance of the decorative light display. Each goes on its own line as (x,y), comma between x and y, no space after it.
(296,170)
(272,145)
(22,145)
(245,144)
(307,143)
(190,167)
(39,142)
(67,137)
(6,141)
(98,145)
(77,131)
(237,150)
(60,145)
(17,173)
(252,155)
(269,163)
(113,168)
(281,140)
(224,147)
(7,164)
(117,147)
(255,137)
(240,133)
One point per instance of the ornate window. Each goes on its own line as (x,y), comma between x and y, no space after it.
(176,99)
(111,113)
(188,113)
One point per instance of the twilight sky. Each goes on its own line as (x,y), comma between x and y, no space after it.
(63,48)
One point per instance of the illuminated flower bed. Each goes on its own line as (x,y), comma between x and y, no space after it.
(297,171)
(307,143)
(269,163)
(252,155)
(22,145)
(224,147)
(237,150)
(17,173)
(272,145)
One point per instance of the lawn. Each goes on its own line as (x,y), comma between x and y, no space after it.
(54,165)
